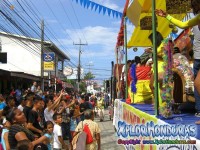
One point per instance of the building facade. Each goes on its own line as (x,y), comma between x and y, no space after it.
(24,61)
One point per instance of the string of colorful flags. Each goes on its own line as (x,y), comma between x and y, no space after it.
(99,8)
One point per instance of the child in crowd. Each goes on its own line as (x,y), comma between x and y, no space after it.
(22,104)
(48,127)
(2,103)
(27,145)
(58,142)
(40,146)
(77,112)
(24,145)
(4,135)
(73,122)
(73,125)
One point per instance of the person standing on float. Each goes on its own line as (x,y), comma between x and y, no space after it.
(195,24)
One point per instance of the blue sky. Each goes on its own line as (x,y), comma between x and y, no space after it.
(66,22)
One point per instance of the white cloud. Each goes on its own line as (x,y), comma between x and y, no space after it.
(101,41)
(99,34)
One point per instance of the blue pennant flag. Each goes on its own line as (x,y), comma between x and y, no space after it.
(96,6)
(81,2)
(104,10)
(100,8)
(120,15)
(116,14)
(92,5)
(109,12)
(88,4)
(84,3)
(113,12)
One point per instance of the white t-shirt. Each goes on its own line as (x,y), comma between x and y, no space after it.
(48,115)
(57,132)
(20,108)
(33,88)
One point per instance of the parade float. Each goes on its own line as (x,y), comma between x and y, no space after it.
(156,124)
(165,122)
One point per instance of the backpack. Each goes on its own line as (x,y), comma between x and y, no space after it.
(79,141)
(83,137)
(89,138)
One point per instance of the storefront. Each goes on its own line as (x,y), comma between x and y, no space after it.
(10,79)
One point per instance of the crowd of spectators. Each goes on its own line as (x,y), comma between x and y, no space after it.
(50,120)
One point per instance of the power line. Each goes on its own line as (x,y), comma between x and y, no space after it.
(25,21)
(77,20)
(78,23)
(69,18)
(56,18)
(79,61)
(25,33)
(77,33)
(50,31)
(25,45)
(98,69)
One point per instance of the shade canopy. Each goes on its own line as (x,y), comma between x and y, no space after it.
(137,10)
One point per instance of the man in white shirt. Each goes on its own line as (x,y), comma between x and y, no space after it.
(33,87)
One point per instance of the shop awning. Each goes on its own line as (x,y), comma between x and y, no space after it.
(137,10)
(10,74)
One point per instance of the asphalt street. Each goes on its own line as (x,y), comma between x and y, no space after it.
(108,135)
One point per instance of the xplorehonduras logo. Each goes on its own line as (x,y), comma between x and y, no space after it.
(154,130)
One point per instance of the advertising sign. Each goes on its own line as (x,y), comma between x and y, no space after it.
(140,131)
(48,61)
(68,71)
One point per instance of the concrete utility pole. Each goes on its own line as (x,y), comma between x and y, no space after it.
(79,63)
(42,52)
(90,64)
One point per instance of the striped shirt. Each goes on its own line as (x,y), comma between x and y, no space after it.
(14,129)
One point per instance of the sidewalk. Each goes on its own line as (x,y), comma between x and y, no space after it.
(108,135)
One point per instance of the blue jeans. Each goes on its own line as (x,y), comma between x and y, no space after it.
(196,68)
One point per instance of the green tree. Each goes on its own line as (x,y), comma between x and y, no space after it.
(89,76)
(71,81)
(83,87)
